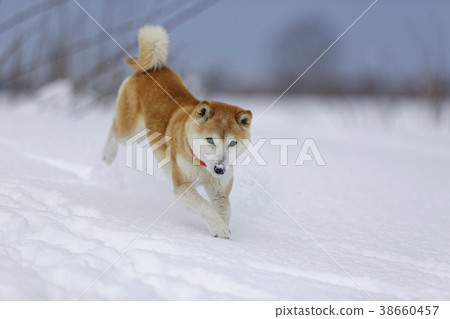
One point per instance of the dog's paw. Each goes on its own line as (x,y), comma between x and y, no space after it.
(220,230)
(108,159)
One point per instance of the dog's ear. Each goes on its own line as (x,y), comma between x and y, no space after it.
(244,118)
(203,111)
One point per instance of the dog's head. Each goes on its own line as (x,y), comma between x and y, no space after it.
(218,134)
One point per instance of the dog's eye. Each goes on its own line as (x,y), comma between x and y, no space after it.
(232,143)
(210,140)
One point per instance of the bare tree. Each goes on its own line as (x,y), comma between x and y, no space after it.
(92,61)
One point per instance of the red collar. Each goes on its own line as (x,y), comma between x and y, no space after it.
(196,158)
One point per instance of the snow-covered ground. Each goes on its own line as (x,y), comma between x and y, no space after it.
(380,208)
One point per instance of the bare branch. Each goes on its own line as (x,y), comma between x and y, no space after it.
(29,13)
(171,24)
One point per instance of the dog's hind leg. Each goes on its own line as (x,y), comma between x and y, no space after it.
(126,122)
(110,150)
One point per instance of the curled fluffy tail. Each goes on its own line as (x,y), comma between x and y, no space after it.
(153,49)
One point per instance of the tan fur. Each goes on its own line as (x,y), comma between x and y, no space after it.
(145,97)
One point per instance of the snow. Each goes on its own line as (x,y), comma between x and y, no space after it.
(379,208)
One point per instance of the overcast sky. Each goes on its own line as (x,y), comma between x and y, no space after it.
(396,38)
(391,38)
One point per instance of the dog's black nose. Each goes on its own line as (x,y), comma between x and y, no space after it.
(219,170)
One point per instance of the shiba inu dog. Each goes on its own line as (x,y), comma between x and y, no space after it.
(156,97)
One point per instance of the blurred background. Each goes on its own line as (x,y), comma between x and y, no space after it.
(400,48)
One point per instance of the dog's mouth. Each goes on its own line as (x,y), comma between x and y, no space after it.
(218,175)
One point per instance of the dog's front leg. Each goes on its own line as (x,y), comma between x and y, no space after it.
(222,205)
(190,199)
(218,192)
